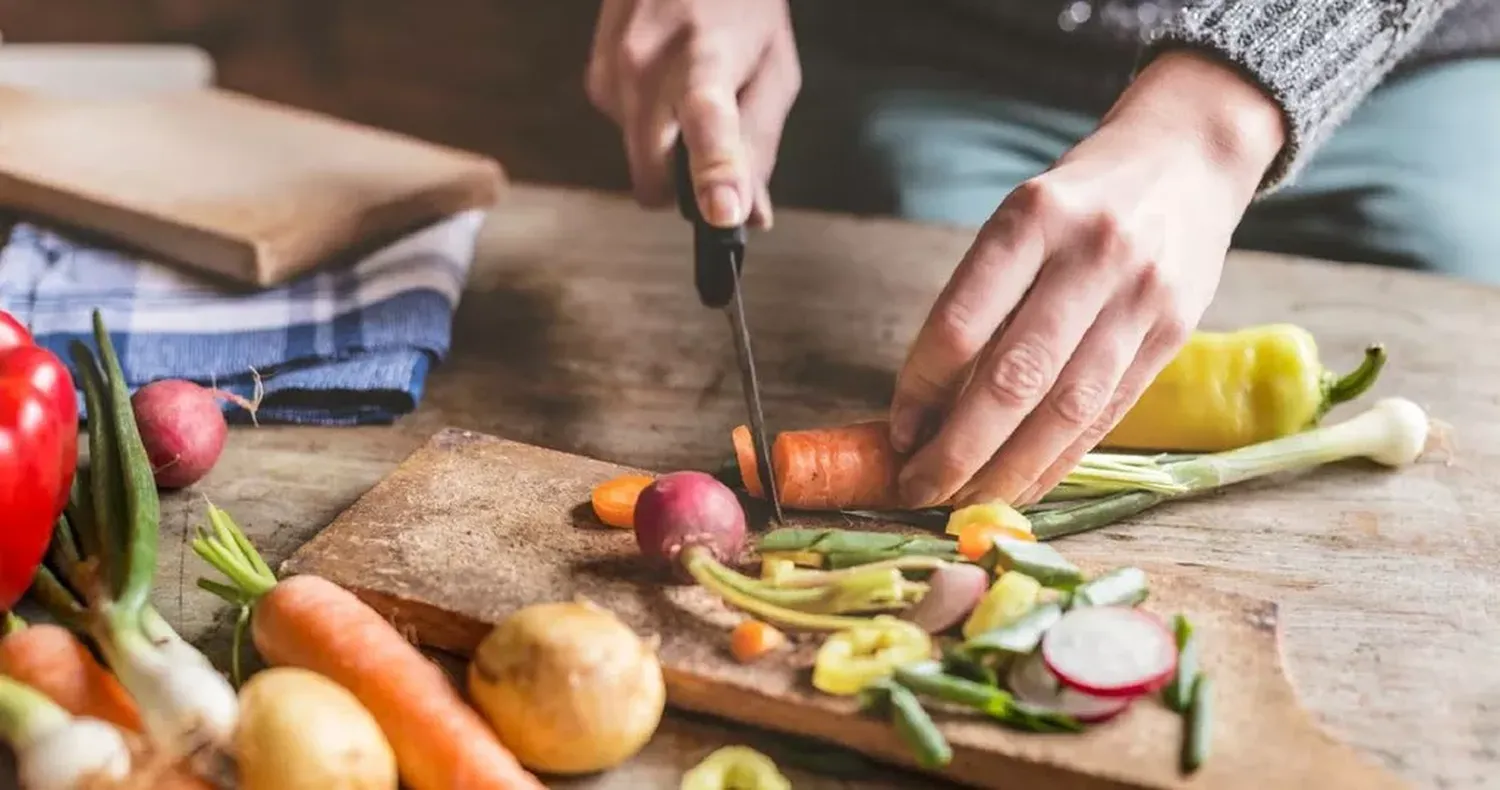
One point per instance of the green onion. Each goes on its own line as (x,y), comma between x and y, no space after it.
(1199,725)
(1178,693)
(1392,432)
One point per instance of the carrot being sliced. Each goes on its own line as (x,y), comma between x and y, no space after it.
(440,742)
(852,467)
(50,659)
(614,499)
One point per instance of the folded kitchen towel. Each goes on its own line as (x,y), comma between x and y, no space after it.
(346,346)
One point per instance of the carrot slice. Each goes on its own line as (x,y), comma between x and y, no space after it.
(852,467)
(614,499)
(977,537)
(752,639)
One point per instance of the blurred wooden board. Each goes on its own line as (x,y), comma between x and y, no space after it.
(233,186)
(472,527)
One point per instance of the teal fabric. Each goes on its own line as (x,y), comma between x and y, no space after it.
(1411,179)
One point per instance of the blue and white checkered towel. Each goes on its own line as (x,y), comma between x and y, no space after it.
(342,347)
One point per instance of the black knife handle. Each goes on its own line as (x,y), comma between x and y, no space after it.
(718,253)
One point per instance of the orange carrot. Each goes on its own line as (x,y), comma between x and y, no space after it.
(852,467)
(752,639)
(50,659)
(440,742)
(977,537)
(614,499)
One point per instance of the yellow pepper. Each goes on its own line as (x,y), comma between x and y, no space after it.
(1012,595)
(1225,390)
(852,659)
(997,513)
(735,768)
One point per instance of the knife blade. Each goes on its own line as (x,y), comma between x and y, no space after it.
(718,262)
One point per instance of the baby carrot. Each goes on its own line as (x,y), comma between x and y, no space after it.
(852,467)
(752,639)
(976,537)
(50,659)
(614,499)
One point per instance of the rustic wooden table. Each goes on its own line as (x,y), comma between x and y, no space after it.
(580,331)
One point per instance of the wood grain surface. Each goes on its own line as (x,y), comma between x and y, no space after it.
(580,331)
(471,528)
(238,187)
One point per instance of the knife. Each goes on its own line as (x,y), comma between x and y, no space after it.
(718,261)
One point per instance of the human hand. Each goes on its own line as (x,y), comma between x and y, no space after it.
(724,72)
(1080,288)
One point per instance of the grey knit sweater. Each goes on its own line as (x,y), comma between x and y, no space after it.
(1317,58)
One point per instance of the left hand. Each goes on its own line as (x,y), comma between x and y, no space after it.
(1081,287)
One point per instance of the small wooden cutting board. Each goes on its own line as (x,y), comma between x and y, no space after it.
(472,527)
(244,189)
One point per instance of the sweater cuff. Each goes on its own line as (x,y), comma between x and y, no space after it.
(1317,60)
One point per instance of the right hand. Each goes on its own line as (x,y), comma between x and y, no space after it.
(722,72)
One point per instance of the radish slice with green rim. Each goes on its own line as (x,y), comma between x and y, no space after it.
(1032,683)
(1110,651)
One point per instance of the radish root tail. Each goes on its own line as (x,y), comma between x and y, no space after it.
(253,404)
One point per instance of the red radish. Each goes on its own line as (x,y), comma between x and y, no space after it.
(689,510)
(183,429)
(1032,683)
(1110,651)
(952,592)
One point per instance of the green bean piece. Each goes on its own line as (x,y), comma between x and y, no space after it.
(1198,725)
(1119,587)
(1037,560)
(918,729)
(1178,693)
(928,679)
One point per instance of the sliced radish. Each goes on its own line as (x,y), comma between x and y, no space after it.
(1033,683)
(1110,651)
(952,592)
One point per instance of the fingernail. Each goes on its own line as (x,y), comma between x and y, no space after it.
(904,425)
(723,206)
(918,491)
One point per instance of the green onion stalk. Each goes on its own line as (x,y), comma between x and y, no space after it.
(835,604)
(101,568)
(54,749)
(1393,432)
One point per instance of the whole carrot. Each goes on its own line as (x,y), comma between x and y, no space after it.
(441,743)
(50,659)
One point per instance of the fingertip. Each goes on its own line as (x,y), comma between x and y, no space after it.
(906,422)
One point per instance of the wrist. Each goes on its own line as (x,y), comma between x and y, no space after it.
(1186,97)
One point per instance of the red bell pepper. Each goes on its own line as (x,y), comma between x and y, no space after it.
(38,453)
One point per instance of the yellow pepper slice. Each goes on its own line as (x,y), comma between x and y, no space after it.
(735,768)
(852,659)
(988,513)
(1225,390)
(1012,595)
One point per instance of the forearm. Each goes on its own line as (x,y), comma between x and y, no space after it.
(1315,59)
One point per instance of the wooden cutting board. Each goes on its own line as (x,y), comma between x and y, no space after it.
(226,184)
(471,527)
